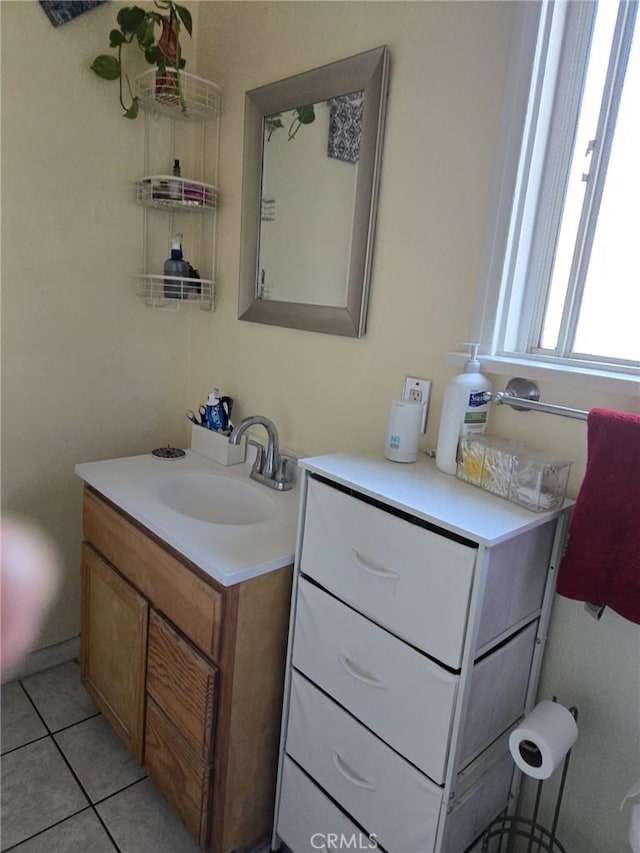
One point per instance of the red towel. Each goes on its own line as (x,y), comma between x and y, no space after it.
(601,564)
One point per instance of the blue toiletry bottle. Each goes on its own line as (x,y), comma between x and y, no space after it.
(175,266)
(216,412)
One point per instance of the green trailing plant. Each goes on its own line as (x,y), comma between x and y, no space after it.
(157,35)
(300,116)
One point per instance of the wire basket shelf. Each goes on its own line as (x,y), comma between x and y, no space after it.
(170,291)
(170,193)
(178,95)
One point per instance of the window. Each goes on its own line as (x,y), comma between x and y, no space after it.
(561,284)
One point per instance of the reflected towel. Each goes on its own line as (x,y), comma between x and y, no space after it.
(601,564)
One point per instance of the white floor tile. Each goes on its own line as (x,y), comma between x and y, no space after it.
(140,822)
(38,790)
(20,722)
(98,757)
(59,696)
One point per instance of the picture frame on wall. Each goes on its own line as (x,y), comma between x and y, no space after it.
(62,11)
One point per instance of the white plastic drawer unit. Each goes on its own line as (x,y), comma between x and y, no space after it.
(382,792)
(393,689)
(309,821)
(413,581)
(397,692)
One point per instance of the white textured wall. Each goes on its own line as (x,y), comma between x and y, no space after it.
(327,393)
(88,372)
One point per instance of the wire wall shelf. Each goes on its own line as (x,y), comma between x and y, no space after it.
(178,95)
(167,192)
(170,291)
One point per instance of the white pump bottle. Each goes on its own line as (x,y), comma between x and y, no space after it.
(465,411)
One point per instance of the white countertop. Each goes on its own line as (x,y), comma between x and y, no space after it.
(422,490)
(229,553)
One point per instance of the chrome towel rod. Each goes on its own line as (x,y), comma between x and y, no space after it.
(522,394)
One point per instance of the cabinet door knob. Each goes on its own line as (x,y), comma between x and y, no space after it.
(369,566)
(350,774)
(360,674)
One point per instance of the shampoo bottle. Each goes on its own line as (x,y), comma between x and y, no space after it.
(175,266)
(465,411)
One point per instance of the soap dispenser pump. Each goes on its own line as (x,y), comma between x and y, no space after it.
(176,267)
(465,410)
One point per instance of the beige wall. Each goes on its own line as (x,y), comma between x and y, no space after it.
(89,373)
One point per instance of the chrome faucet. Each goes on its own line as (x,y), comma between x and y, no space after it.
(271,465)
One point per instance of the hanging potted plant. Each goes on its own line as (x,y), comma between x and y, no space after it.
(160,47)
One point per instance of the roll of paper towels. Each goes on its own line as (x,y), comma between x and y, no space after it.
(539,744)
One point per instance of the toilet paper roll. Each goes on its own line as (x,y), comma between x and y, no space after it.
(403,431)
(542,740)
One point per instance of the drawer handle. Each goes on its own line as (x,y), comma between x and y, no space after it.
(354,670)
(349,774)
(368,566)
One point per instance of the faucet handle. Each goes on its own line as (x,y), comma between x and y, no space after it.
(283,474)
(258,463)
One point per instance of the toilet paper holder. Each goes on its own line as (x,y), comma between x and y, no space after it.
(509,827)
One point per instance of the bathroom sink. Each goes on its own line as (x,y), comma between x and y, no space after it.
(215,498)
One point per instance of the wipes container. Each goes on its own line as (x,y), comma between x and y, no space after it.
(511,470)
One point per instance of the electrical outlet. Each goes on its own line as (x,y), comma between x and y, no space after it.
(418,391)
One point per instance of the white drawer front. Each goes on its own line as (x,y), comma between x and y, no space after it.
(498,692)
(394,690)
(414,582)
(308,821)
(384,793)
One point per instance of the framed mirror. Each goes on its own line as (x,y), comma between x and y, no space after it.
(312,148)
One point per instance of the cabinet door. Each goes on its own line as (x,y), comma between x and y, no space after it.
(178,773)
(113,647)
(183,683)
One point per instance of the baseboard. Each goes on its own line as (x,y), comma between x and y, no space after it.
(46,658)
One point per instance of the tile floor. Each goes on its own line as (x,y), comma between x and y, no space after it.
(68,783)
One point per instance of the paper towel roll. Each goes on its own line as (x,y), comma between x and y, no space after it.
(542,740)
(403,431)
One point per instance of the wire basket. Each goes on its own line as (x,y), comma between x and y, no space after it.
(178,95)
(170,291)
(167,192)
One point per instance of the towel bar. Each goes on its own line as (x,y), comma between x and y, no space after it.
(522,394)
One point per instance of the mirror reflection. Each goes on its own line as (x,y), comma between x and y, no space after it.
(312,150)
(309,180)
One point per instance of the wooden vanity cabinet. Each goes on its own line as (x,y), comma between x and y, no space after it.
(189,674)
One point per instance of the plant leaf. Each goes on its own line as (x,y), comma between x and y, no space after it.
(151,54)
(145,34)
(185,17)
(130,18)
(106,66)
(116,38)
(132,112)
(306,114)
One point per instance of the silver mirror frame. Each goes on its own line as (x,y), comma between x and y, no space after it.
(369,72)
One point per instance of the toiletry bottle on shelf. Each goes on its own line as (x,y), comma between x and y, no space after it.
(176,267)
(465,411)
(216,414)
(176,187)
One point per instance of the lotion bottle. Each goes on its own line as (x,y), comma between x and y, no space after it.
(465,411)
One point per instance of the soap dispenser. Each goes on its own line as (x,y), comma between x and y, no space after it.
(175,266)
(465,410)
